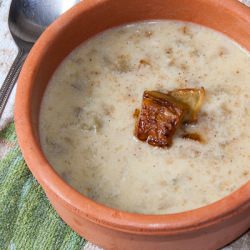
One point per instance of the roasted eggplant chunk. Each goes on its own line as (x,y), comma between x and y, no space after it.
(193,98)
(159,118)
(193,136)
(162,113)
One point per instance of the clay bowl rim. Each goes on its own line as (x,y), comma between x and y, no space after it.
(82,206)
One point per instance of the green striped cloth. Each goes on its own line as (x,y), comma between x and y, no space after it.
(27,220)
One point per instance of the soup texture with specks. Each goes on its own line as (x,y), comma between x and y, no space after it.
(87,123)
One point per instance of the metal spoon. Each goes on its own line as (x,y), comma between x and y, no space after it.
(27,20)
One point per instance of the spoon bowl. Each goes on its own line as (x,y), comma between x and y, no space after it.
(27,21)
(29,18)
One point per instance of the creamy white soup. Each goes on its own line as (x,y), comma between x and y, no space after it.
(87,124)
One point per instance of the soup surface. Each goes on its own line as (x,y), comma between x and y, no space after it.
(87,124)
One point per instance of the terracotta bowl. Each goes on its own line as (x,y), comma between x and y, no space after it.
(209,227)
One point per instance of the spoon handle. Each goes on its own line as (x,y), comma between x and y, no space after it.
(11,79)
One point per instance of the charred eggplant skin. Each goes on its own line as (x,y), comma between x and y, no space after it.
(159,118)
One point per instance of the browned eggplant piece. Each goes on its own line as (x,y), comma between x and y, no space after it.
(193,98)
(136,113)
(159,118)
(193,136)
